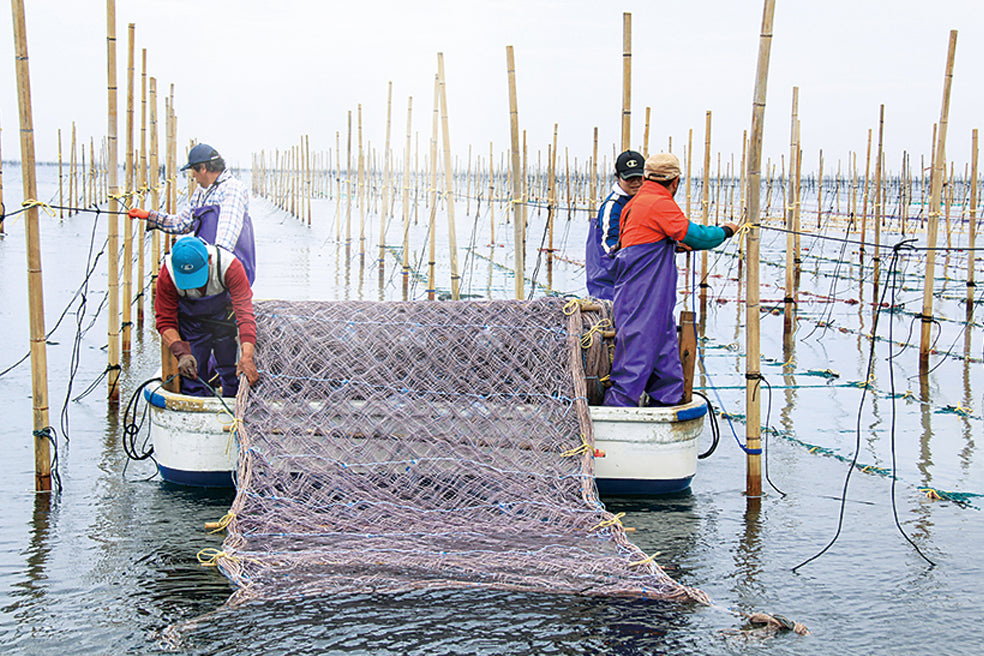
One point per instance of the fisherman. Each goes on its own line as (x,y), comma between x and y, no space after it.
(599,262)
(647,355)
(218,211)
(203,296)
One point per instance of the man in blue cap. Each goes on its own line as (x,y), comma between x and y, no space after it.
(647,352)
(218,211)
(599,261)
(203,302)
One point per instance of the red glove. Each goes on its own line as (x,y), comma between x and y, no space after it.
(137,213)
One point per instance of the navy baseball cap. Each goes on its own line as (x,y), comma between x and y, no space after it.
(629,165)
(200,154)
(189,263)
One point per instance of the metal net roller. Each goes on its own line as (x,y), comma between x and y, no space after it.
(410,445)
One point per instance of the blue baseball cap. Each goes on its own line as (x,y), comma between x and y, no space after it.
(200,154)
(189,263)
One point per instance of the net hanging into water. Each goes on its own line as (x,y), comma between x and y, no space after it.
(399,446)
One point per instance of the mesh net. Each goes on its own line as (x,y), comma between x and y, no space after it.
(399,446)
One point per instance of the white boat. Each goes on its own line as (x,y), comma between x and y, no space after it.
(641,451)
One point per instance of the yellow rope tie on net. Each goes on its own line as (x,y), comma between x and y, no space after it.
(223,522)
(743,229)
(865,383)
(570,306)
(962,411)
(209,557)
(30,202)
(578,450)
(645,561)
(616,519)
(587,339)
(231,426)
(931,493)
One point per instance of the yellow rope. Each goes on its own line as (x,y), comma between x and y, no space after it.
(587,339)
(578,450)
(616,519)
(570,306)
(224,521)
(209,557)
(30,202)
(645,561)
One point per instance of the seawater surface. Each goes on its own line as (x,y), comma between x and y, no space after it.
(109,564)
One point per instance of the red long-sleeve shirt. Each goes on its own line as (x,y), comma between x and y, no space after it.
(166,301)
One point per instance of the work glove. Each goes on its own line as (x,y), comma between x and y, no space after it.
(187,364)
(730,229)
(137,213)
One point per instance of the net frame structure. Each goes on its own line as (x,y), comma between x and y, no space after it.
(397,446)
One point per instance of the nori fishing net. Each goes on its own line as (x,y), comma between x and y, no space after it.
(408,445)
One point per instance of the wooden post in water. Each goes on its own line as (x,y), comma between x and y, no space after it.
(820,191)
(517,182)
(348,191)
(753,399)
(626,80)
(972,228)
(935,190)
(362,185)
(491,195)
(112,247)
(71,173)
(35,300)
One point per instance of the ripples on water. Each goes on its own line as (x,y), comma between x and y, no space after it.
(110,565)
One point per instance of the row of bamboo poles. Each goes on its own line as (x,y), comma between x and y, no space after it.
(378,183)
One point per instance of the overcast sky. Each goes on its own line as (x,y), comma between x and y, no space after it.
(251,75)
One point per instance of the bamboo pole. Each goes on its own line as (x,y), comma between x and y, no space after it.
(129,177)
(448,180)
(753,482)
(432,226)
(879,209)
(71,170)
(517,199)
(155,180)
(338,187)
(626,80)
(789,302)
(61,198)
(39,358)
(406,202)
(142,188)
(972,227)
(491,195)
(936,182)
(361,185)
(820,191)
(594,170)
(864,198)
(112,252)
(386,176)
(645,137)
(705,213)
(348,190)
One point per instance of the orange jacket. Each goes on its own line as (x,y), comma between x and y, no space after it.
(652,215)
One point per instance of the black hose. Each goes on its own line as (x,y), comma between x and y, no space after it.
(715,430)
(131,428)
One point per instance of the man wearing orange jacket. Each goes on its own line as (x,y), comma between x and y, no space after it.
(647,357)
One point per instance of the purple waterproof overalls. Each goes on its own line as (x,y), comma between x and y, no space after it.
(647,355)
(205,226)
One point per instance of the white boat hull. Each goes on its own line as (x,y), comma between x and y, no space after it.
(647,451)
